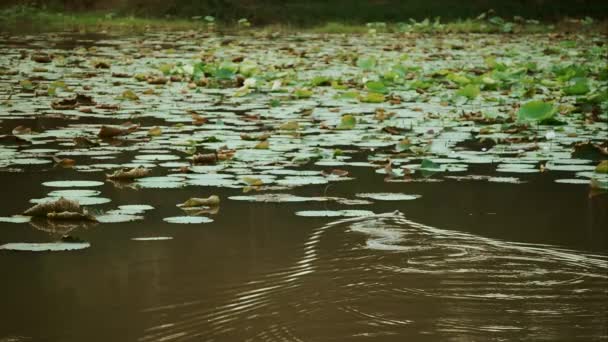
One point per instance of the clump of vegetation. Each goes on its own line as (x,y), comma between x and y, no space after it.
(20,18)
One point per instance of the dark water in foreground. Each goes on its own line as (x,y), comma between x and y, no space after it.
(466,261)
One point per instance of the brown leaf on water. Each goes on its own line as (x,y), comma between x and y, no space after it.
(197,119)
(155,131)
(336,172)
(108,106)
(225,154)
(64,104)
(101,64)
(138,172)
(72,103)
(185,169)
(121,75)
(64,162)
(262,145)
(158,80)
(42,58)
(251,117)
(84,142)
(211,201)
(204,158)
(58,206)
(381,114)
(259,137)
(21,130)
(392,130)
(113,131)
(85,100)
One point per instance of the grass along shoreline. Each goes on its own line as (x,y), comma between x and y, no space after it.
(22,19)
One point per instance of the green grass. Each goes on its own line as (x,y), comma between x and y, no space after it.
(24,19)
(44,21)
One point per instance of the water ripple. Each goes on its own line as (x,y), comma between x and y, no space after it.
(390,277)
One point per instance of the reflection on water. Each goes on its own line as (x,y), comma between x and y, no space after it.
(390,277)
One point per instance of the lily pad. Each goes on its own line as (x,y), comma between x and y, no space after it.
(44,247)
(72,184)
(118,218)
(388,196)
(536,111)
(154,238)
(16,219)
(188,219)
(334,213)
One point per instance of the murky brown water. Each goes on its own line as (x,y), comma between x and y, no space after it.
(467,261)
(466,267)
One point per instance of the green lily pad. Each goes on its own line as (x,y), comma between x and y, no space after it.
(367,63)
(602,167)
(577,86)
(376,87)
(470,91)
(536,111)
(302,93)
(372,98)
(348,121)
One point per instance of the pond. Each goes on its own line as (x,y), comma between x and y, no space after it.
(303,187)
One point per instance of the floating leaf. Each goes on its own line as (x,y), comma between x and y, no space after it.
(16,219)
(376,87)
(290,126)
(118,218)
(252,181)
(134,173)
(204,158)
(367,63)
(188,219)
(577,86)
(469,91)
(429,168)
(388,196)
(153,238)
(262,145)
(334,213)
(302,93)
(372,98)
(72,184)
(210,201)
(403,145)
(602,167)
(113,131)
(129,95)
(536,111)
(348,121)
(155,131)
(45,247)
